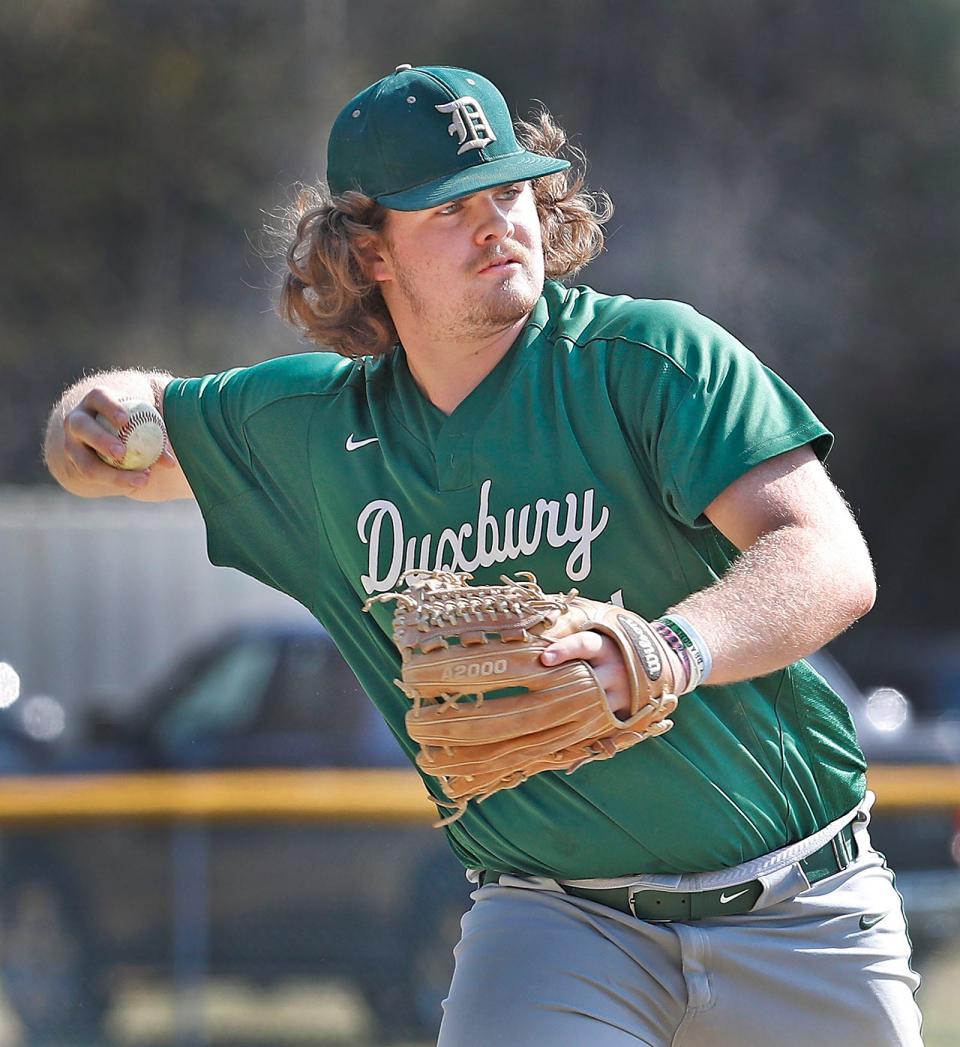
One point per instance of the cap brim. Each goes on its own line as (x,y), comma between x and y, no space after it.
(516,168)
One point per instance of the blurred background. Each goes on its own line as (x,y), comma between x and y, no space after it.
(789,168)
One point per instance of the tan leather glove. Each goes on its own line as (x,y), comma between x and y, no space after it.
(486,712)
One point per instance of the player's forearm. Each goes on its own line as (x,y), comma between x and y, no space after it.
(784,597)
(129,384)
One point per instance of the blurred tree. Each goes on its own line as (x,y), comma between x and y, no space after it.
(789,168)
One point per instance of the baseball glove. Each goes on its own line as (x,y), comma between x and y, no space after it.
(486,713)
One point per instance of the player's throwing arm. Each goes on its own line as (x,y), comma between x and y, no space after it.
(106,437)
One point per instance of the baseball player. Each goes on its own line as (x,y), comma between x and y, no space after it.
(713,885)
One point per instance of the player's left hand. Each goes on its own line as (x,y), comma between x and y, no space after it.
(607,661)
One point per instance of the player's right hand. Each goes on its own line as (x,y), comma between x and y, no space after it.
(83,437)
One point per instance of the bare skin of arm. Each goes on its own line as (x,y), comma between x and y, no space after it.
(73,435)
(803,576)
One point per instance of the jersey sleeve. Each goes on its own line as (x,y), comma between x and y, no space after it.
(711,411)
(242,438)
(204,419)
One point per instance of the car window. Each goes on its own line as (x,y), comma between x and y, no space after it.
(316,691)
(224,699)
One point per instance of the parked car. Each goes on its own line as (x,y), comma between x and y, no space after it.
(377,905)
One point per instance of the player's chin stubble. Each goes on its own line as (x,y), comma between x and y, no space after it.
(503,304)
(491,308)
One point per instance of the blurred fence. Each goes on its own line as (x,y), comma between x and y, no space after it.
(242,908)
(388,795)
(254,908)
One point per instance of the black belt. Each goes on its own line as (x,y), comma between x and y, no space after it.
(832,858)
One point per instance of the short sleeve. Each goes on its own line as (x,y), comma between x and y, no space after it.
(243,440)
(714,413)
(204,418)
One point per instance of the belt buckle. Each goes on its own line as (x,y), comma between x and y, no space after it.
(632,892)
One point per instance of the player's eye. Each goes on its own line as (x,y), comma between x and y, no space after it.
(451,208)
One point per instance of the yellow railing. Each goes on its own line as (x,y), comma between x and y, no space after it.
(914,786)
(325,795)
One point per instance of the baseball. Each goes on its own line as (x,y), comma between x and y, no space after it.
(144,436)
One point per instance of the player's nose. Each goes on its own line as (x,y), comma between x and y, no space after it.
(494,222)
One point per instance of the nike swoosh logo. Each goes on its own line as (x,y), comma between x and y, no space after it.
(866,922)
(724,898)
(352,444)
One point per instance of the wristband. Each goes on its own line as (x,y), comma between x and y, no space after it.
(694,643)
(676,644)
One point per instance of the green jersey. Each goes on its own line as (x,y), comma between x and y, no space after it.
(587,456)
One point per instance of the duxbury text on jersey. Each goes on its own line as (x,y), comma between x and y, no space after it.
(487,540)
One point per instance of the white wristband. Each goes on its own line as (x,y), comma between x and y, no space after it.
(693,641)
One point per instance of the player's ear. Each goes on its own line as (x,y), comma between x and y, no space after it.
(376,249)
(375,258)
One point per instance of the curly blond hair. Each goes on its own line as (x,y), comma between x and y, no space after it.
(327,296)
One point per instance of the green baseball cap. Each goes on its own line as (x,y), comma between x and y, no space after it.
(423,136)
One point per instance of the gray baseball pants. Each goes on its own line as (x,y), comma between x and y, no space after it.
(536,968)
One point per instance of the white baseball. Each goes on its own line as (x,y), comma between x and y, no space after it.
(144,436)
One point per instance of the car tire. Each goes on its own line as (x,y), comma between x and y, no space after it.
(47,964)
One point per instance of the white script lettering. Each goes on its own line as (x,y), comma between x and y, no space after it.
(480,543)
